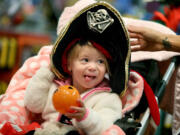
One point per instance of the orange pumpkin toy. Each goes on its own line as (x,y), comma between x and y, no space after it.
(64,97)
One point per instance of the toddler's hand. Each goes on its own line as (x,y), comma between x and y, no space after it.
(77,112)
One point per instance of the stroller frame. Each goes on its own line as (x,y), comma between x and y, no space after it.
(161,90)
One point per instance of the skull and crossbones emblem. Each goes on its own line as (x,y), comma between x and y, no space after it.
(99,20)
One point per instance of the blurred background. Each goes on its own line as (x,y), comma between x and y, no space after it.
(27,25)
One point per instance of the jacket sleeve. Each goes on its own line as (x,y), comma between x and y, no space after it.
(37,90)
(102,116)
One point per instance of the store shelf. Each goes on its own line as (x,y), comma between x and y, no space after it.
(14,50)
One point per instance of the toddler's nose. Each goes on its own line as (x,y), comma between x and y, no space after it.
(92,67)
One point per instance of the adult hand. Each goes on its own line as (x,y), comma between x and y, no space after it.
(146,39)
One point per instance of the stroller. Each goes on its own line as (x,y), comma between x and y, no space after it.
(159,94)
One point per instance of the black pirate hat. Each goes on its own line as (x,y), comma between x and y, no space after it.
(103,24)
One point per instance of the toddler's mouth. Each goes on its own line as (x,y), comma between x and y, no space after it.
(89,77)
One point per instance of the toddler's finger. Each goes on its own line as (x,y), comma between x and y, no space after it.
(80,102)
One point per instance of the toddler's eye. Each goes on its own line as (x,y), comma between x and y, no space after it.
(85,60)
(100,61)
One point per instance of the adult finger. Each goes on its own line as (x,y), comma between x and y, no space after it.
(134,35)
(135,29)
(135,48)
(134,42)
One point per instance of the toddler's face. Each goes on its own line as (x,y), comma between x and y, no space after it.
(88,68)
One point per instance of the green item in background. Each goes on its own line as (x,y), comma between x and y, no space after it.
(3,87)
(3,52)
(8,48)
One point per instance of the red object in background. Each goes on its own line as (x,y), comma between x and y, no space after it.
(18,18)
(171,17)
(12,129)
(65,97)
